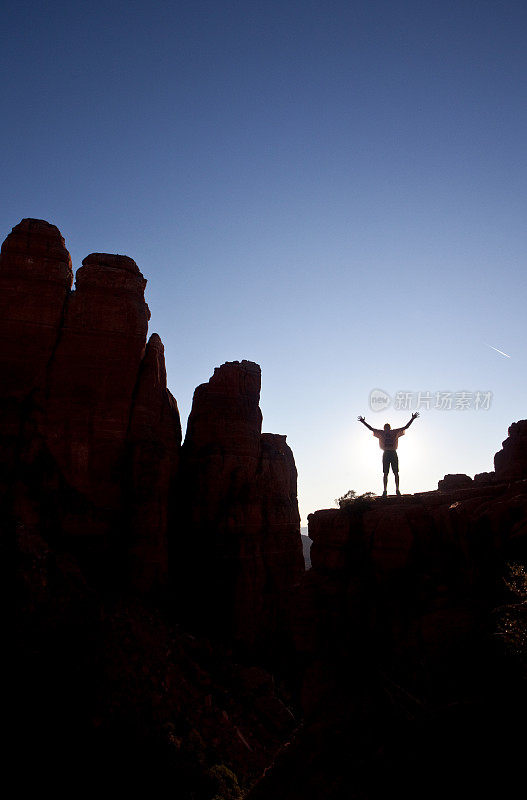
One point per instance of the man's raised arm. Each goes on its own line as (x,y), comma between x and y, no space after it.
(414,416)
(361,419)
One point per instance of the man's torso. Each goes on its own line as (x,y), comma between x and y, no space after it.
(388,439)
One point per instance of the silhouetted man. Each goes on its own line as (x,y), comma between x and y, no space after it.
(388,439)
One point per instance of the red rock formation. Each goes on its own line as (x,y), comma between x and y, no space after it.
(89,435)
(401,675)
(154,440)
(270,546)
(35,279)
(418,573)
(92,377)
(451,482)
(91,439)
(394,613)
(485,478)
(242,527)
(510,463)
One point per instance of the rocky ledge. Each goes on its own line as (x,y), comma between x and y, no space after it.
(411,643)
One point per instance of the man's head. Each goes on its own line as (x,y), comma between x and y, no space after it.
(387,426)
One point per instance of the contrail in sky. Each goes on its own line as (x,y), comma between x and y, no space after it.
(498,351)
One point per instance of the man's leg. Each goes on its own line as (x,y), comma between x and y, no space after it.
(395,467)
(385,483)
(385,470)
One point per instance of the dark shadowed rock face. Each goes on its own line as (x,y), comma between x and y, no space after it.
(74,424)
(226,417)
(90,442)
(242,526)
(451,482)
(35,279)
(154,439)
(116,692)
(511,461)
(306,546)
(93,374)
(419,568)
(404,683)
(483,478)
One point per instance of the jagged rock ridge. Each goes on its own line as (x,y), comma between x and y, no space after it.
(91,441)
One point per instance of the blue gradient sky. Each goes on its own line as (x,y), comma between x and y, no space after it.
(336,190)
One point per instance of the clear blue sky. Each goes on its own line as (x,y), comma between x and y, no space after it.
(336,190)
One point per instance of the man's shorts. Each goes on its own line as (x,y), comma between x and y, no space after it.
(389,457)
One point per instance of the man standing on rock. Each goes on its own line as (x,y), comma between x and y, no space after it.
(388,439)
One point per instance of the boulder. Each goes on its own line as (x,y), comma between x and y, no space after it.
(485,478)
(451,482)
(510,463)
